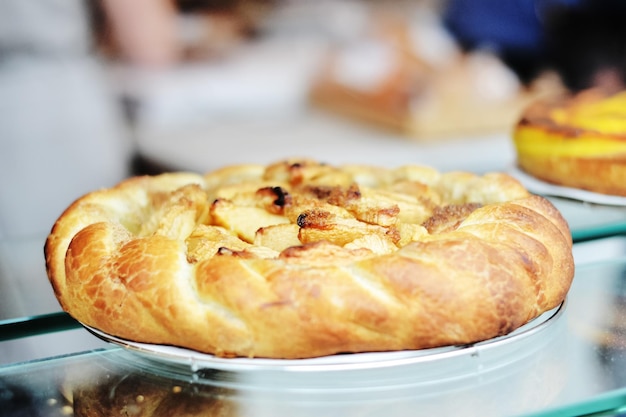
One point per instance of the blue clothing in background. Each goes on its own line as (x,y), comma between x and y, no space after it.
(578,38)
(498,25)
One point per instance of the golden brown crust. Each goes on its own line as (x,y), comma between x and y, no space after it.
(300,259)
(599,175)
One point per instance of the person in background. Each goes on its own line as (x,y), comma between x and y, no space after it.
(583,40)
(587,44)
(144,31)
(63,129)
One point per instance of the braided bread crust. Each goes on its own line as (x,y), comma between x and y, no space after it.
(299,259)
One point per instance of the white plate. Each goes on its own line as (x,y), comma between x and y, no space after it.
(538,186)
(356,361)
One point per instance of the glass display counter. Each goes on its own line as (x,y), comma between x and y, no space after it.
(572,363)
(591,221)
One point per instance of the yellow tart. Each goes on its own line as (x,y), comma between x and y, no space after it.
(577,141)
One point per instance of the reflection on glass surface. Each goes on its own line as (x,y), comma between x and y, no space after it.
(575,365)
(115,383)
(591,221)
(598,320)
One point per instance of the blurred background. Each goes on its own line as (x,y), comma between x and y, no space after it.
(94,91)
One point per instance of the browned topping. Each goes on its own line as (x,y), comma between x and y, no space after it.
(336,195)
(225,251)
(296,203)
(315,218)
(277,198)
(447,218)
(295,171)
(342,197)
(320,192)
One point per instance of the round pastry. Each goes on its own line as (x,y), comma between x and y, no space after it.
(576,141)
(300,259)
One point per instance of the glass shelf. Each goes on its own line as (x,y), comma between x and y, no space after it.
(577,366)
(36,325)
(591,221)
